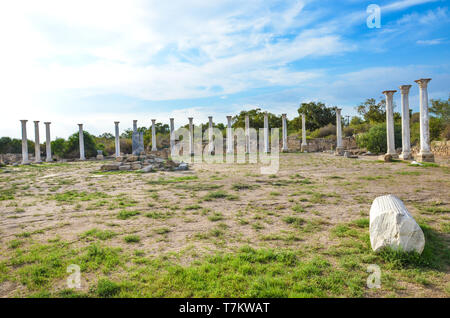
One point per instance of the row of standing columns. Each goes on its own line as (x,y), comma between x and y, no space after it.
(25,158)
(425,153)
(37,146)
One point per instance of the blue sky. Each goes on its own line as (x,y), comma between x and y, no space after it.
(95,62)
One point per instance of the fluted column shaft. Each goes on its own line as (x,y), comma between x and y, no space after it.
(172,134)
(406,143)
(48,145)
(81,139)
(230,141)
(390,123)
(116,130)
(37,144)
(24,141)
(210,135)
(154,148)
(284,132)
(266,132)
(425,153)
(191,136)
(247,134)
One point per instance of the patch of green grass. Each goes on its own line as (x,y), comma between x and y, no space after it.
(107,288)
(216,216)
(296,221)
(220,194)
(243,186)
(409,173)
(7,194)
(132,239)
(100,234)
(193,207)
(362,223)
(298,208)
(13,244)
(73,196)
(126,214)
(162,230)
(343,230)
(158,215)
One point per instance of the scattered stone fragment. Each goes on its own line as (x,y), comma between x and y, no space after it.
(136,166)
(124,167)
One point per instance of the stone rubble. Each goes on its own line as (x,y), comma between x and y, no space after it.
(143,163)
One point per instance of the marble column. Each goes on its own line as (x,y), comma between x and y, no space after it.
(390,134)
(116,128)
(48,143)
(247,134)
(266,133)
(339,147)
(191,136)
(230,140)
(37,145)
(425,153)
(172,134)
(210,135)
(154,148)
(284,131)
(406,144)
(24,142)
(81,138)
(304,145)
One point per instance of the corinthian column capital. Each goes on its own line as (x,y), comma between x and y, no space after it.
(423,82)
(404,89)
(389,93)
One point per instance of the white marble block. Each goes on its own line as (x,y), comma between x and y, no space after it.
(391,225)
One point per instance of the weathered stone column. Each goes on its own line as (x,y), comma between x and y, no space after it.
(24,142)
(172,134)
(154,148)
(230,141)
(339,147)
(81,138)
(210,135)
(284,132)
(266,132)
(37,145)
(247,134)
(406,144)
(304,145)
(390,124)
(191,136)
(134,125)
(48,143)
(116,128)
(425,153)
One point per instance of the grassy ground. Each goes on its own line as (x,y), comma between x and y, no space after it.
(219,230)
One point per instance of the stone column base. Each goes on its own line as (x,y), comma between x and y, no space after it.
(339,151)
(304,148)
(285,150)
(405,156)
(425,157)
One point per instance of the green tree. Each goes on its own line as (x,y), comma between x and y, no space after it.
(58,147)
(256,118)
(317,115)
(441,108)
(72,149)
(375,139)
(371,111)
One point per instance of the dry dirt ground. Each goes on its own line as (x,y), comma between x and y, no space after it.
(219,230)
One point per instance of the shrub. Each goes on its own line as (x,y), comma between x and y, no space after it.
(322,132)
(375,139)
(72,148)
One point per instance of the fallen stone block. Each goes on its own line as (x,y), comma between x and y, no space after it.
(147,169)
(391,225)
(136,166)
(125,167)
(109,167)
